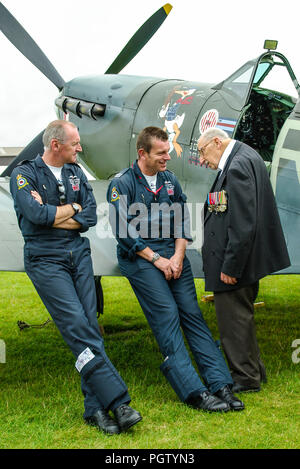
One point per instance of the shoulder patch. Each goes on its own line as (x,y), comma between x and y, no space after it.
(21,181)
(114,194)
(118,175)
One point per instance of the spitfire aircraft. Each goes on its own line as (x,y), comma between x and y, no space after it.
(110,110)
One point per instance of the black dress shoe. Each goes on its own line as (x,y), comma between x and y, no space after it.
(104,422)
(227,395)
(208,402)
(242,388)
(126,416)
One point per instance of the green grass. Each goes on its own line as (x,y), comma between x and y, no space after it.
(41,405)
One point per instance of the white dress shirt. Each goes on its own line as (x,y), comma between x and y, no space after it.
(225,155)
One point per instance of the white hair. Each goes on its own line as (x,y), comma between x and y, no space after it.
(214,132)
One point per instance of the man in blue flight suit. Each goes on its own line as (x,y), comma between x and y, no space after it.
(54,203)
(147,214)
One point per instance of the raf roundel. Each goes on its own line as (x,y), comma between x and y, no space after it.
(21,181)
(114,194)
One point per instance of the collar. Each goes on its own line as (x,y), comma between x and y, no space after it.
(140,176)
(39,161)
(226,154)
(139,173)
(137,170)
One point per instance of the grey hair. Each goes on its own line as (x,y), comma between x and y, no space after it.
(56,129)
(214,132)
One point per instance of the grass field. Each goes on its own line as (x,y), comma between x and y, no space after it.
(41,405)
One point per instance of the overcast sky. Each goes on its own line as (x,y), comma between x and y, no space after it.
(202,41)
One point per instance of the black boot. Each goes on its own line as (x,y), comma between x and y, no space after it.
(227,395)
(103,421)
(126,416)
(208,402)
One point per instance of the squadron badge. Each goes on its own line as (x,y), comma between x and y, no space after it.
(114,194)
(21,182)
(75,183)
(170,187)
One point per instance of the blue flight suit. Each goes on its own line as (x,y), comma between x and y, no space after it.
(167,305)
(59,263)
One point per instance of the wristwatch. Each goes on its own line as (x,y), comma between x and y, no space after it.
(76,208)
(155,257)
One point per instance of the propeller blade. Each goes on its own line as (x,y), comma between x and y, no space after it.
(34,148)
(139,39)
(17,35)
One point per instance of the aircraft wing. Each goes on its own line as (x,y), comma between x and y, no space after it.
(11,240)
(103,243)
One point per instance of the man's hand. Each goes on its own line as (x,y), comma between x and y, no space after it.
(63,213)
(164,265)
(227,279)
(176,263)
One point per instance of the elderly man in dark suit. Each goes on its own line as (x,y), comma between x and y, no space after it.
(243,242)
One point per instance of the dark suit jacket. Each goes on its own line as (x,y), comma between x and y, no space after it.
(246,241)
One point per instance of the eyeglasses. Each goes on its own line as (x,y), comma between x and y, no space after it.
(201,150)
(62,193)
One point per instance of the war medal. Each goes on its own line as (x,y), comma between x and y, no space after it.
(217,201)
